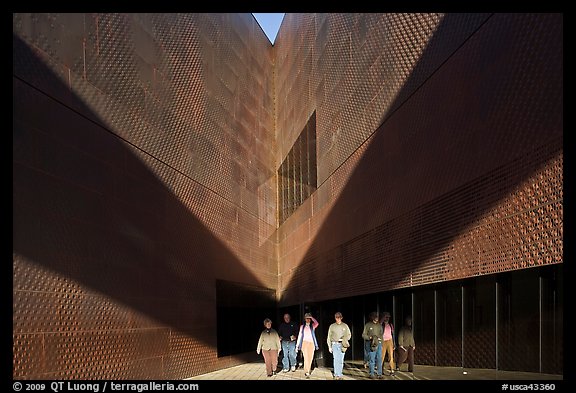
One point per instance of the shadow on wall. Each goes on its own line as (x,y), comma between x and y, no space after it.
(485,121)
(102,248)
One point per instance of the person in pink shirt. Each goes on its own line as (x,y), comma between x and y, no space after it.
(307,342)
(388,341)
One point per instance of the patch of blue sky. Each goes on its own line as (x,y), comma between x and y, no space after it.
(270,23)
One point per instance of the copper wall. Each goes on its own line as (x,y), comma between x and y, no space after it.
(145,149)
(143,172)
(439,148)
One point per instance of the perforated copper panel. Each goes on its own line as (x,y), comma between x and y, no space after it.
(355,69)
(463,177)
(478,354)
(146,146)
(143,171)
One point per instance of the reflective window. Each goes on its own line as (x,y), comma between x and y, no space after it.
(480,323)
(297,178)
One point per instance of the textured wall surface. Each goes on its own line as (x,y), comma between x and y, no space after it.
(146,149)
(143,171)
(439,148)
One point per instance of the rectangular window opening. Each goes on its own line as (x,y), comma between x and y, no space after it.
(297,178)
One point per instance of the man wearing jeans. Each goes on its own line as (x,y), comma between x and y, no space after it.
(288,332)
(338,336)
(372,334)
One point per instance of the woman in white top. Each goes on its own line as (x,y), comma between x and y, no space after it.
(307,342)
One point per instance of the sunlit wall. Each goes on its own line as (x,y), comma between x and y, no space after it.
(439,148)
(143,172)
(146,154)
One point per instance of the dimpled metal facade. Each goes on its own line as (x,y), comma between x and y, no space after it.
(143,172)
(439,148)
(146,154)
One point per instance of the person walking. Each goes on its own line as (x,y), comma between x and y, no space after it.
(269,344)
(307,342)
(388,341)
(288,332)
(406,345)
(373,334)
(338,342)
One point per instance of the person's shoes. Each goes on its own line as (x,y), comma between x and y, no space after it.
(307,375)
(285,370)
(269,375)
(273,372)
(392,373)
(372,376)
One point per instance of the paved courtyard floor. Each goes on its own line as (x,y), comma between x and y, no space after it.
(356,371)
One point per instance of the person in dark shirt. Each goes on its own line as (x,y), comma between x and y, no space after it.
(373,334)
(288,332)
(406,345)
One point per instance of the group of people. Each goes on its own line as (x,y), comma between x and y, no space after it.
(378,335)
(379,341)
(290,338)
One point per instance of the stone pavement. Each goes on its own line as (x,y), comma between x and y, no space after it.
(355,371)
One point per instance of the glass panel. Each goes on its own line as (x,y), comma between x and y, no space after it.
(305,169)
(363,306)
(284,192)
(385,304)
(449,325)
(518,321)
(552,320)
(423,325)
(403,308)
(480,323)
(297,174)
